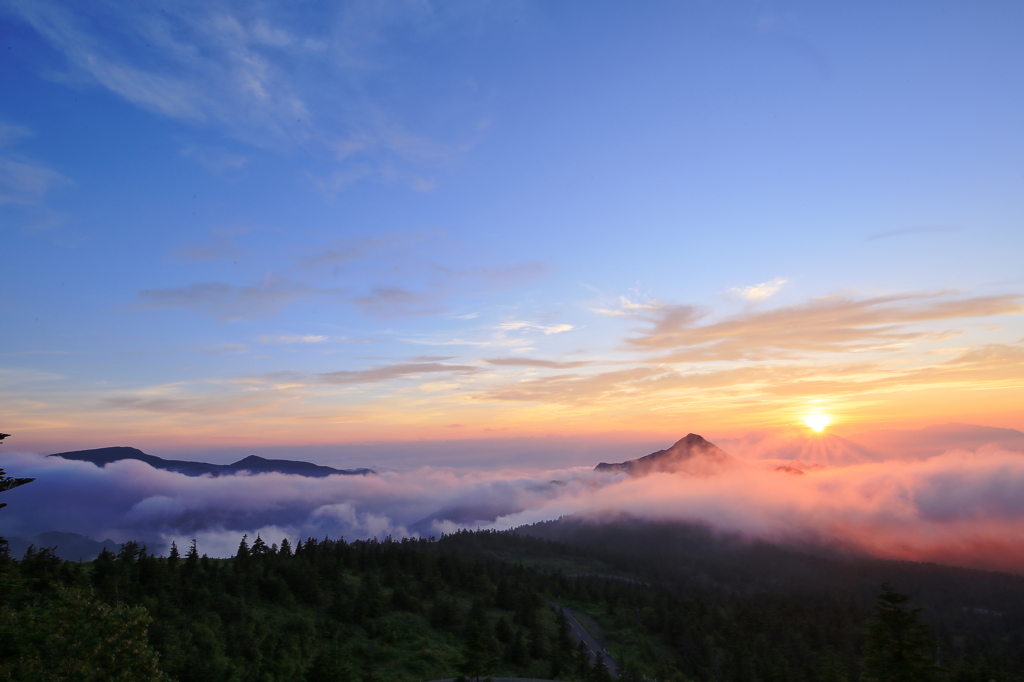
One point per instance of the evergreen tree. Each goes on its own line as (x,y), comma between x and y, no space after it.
(477,661)
(259,548)
(173,557)
(516,653)
(243,548)
(897,642)
(370,599)
(8,483)
(583,669)
(286,548)
(329,665)
(503,631)
(444,614)
(626,673)
(537,648)
(192,558)
(600,673)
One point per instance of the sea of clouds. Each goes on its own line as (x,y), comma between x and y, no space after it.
(960,507)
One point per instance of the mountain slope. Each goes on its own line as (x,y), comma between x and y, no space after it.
(253,464)
(67,546)
(690,455)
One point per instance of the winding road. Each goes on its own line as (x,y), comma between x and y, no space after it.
(580,634)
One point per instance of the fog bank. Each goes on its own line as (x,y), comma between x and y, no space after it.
(961,507)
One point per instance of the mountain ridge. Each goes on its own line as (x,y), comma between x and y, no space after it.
(253,464)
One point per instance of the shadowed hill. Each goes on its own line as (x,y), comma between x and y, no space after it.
(66,546)
(690,455)
(253,464)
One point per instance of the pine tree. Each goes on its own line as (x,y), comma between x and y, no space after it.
(894,650)
(286,548)
(583,669)
(192,558)
(477,661)
(537,648)
(600,673)
(329,665)
(515,652)
(503,631)
(243,548)
(173,556)
(626,673)
(259,548)
(8,483)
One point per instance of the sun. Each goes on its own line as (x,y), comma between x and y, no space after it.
(818,422)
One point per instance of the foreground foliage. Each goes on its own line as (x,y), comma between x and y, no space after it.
(421,610)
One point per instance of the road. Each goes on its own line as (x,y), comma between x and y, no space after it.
(580,634)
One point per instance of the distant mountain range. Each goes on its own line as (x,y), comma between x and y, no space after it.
(67,546)
(251,464)
(690,455)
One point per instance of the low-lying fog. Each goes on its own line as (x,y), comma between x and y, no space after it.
(962,507)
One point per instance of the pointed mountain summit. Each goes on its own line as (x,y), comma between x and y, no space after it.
(690,455)
(252,464)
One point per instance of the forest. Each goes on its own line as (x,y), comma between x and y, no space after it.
(482,603)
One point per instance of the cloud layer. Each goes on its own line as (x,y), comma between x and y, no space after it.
(959,507)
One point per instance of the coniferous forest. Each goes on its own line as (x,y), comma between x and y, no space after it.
(472,604)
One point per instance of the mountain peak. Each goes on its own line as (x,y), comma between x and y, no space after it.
(692,454)
(251,459)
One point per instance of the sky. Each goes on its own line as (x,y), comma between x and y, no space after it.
(402,234)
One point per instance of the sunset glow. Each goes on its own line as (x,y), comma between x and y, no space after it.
(329,243)
(818,422)
(422,239)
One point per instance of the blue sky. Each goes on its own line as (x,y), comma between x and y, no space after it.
(269,224)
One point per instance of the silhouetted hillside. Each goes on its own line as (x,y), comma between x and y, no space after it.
(691,455)
(252,464)
(67,546)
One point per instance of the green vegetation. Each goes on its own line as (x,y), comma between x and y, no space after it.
(422,610)
(668,602)
(7,483)
(898,645)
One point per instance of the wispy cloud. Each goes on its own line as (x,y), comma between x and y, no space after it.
(626,307)
(222,247)
(394,371)
(760,292)
(293,338)
(173,401)
(22,180)
(834,323)
(520,326)
(215,159)
(227,301)
(396,301)
(248,71)
(533,362)
(224,348)
(578,389)
(10,133)
(203,67)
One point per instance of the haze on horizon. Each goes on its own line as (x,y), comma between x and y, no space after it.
(506,235)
